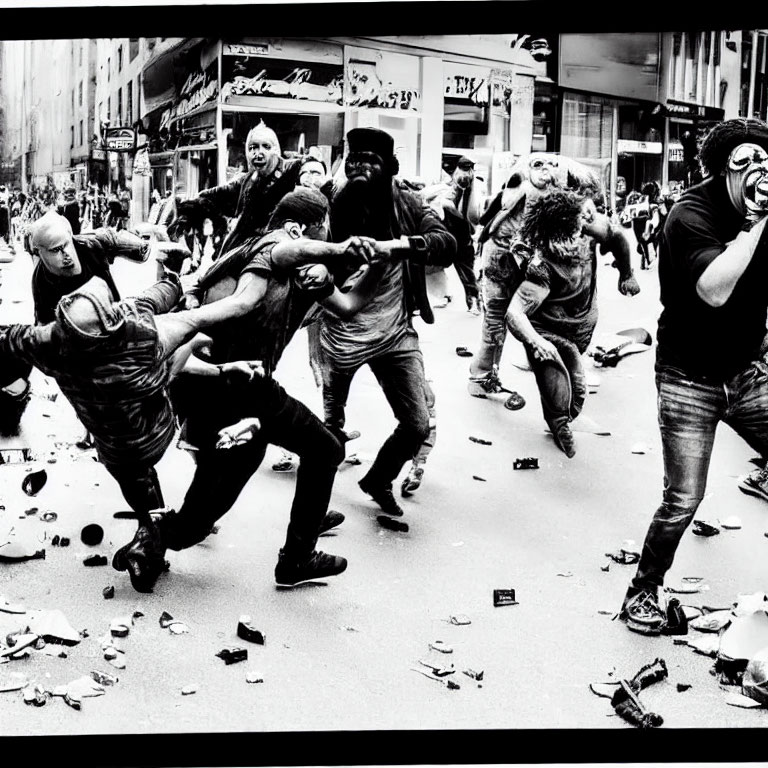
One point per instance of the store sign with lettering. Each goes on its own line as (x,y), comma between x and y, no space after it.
(198,89)
(629,146)
(365,89)
(676,153)
(296,85)
(246,49)
(120,139)
(467,83)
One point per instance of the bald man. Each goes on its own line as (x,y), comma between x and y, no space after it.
(251,196)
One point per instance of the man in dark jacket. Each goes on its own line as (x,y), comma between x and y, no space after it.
(70,209)
(409,235)
(251,197)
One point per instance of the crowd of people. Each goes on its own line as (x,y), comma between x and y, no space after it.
(353,257)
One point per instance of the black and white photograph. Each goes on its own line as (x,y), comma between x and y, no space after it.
(384,369)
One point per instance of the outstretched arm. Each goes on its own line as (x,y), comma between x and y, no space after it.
(301,251)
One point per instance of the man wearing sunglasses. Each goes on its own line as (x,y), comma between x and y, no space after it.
(713,272)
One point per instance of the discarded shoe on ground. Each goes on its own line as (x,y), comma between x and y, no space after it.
(33,483)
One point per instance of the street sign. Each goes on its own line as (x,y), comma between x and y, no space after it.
(121,139)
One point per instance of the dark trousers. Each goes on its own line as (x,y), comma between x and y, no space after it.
(400,373)
(222,473)
(140,487)
(562,384)
(465,268)
(689,412)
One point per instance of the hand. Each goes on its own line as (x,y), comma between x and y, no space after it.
(189,301)
(544,349)
(248,368)
(171,255)
(239,433)
(359,246)
(628,286)
(313,276)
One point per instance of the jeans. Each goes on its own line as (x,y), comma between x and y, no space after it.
(465,268)
(429,443)
(689,412)
(221,474)
(562,385)
(400,373)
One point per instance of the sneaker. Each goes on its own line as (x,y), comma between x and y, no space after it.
(286,463)
(482,386)
(564,440)
(642,612)
(755,484)
(143,557)
(412,481)
(473,306)
(384,497)
(332,519)
(318,565)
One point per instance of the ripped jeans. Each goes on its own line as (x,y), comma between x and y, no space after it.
(689,412)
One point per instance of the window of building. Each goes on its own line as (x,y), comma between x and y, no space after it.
(138,96)
(120,59)
(82,45)
(71,136)
(133,49)
(81,133)
(73,99)
(109,108)
(109,69)
(80,94)
(120,106)
(129,103)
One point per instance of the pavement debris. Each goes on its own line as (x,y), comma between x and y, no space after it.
(246,631)
(441,646)
(747,604)
(731,523)
(188,690)
(53,627)
(6,606)
(460,619)
(178,628)
(702,528)
(108,592)
(504,597)
(745,637)
(31,511)
(49,517)
(687,588)
(35,695)
(529,462)
(92,534)
(474,674)
(104,678)
(481,479)
(121,626)
(20,547)
(735,699)
(463,352)
(446,681)
(33,483)
(166,619)
(253,677)
(755,680)
(712,622)
(64,541)
(706,645)
(625,699)
(683,687)
(639,448)
(232,654)
(480,441)
(84,687)
(95,560)
(17,682)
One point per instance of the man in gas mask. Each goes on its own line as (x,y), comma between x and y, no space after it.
(713,272)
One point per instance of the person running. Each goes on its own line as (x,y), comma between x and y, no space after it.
(713,269)
(408,236)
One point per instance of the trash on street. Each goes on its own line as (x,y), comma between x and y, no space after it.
(253,677)
(53,627)
(108,592)
(504,597)
(481,479)
(712,622)
(755,680)
(731,523)
(188,690)
(165,619)
(748,604)
(49,517)
(702,528)
(437,669)
(392,524)
(233,654)
(95,560)
(33,482)
(247,631)
(529,462)
(84,687)
(736,699)
(178,628)
(6,606)
(104,678)
(480,441)
(463,352)
(92,534)
(120,627)
(441,646)
(460,619)
(35,696)
(745,637)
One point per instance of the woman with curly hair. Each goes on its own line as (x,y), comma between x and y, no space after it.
(554,312)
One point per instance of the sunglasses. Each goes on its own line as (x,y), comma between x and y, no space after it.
(542,162)
(745,155)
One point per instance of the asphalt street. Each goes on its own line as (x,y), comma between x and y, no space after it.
(341,656)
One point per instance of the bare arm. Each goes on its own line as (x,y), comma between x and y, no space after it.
(249,291)
(288,254)
(526,300)
(345,304)
(718,280)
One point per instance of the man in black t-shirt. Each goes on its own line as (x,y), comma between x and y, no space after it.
(713,272)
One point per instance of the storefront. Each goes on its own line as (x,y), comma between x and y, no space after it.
(312,92)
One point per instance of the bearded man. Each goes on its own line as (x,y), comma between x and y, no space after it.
(409,236)
(251,196)
(713,269)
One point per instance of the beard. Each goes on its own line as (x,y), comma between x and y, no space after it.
(362,208)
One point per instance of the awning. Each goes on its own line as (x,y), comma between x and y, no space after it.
(158,84)
(682,109)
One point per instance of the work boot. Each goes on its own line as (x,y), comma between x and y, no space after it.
(755,484)
(412,480)
(564,440)
(383,496)
(642,611)
(332,519)
(143,557)
(290,571)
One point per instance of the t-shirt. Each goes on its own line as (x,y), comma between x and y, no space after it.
(95,254)
(71,212)
(566,292)
(264,333)
(705,341)
(373,330)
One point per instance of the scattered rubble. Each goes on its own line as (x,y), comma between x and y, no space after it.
(232,654)
(529,462)
(392,524)
(702,528)
(95,560)
(441,646)
(731,523)
(460,619)
(188,690)
(504,597)
(92,534)
(53,627)
(253,677)
(246,631)
(480,441)
(33,482)
(108,592)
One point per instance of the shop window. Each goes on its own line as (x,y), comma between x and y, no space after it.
(129,103)
(133,48)
(109,69)
(80,94)
(587,128)
(81,133)
(120,106)
(120,59)
(71,136)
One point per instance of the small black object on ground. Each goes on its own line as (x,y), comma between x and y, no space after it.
(480,441)
(463,352)
(504,597)
(108,592)
(529,462)
(232,655)
(94,560)
(92,534)
(392,524)
(246,631)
